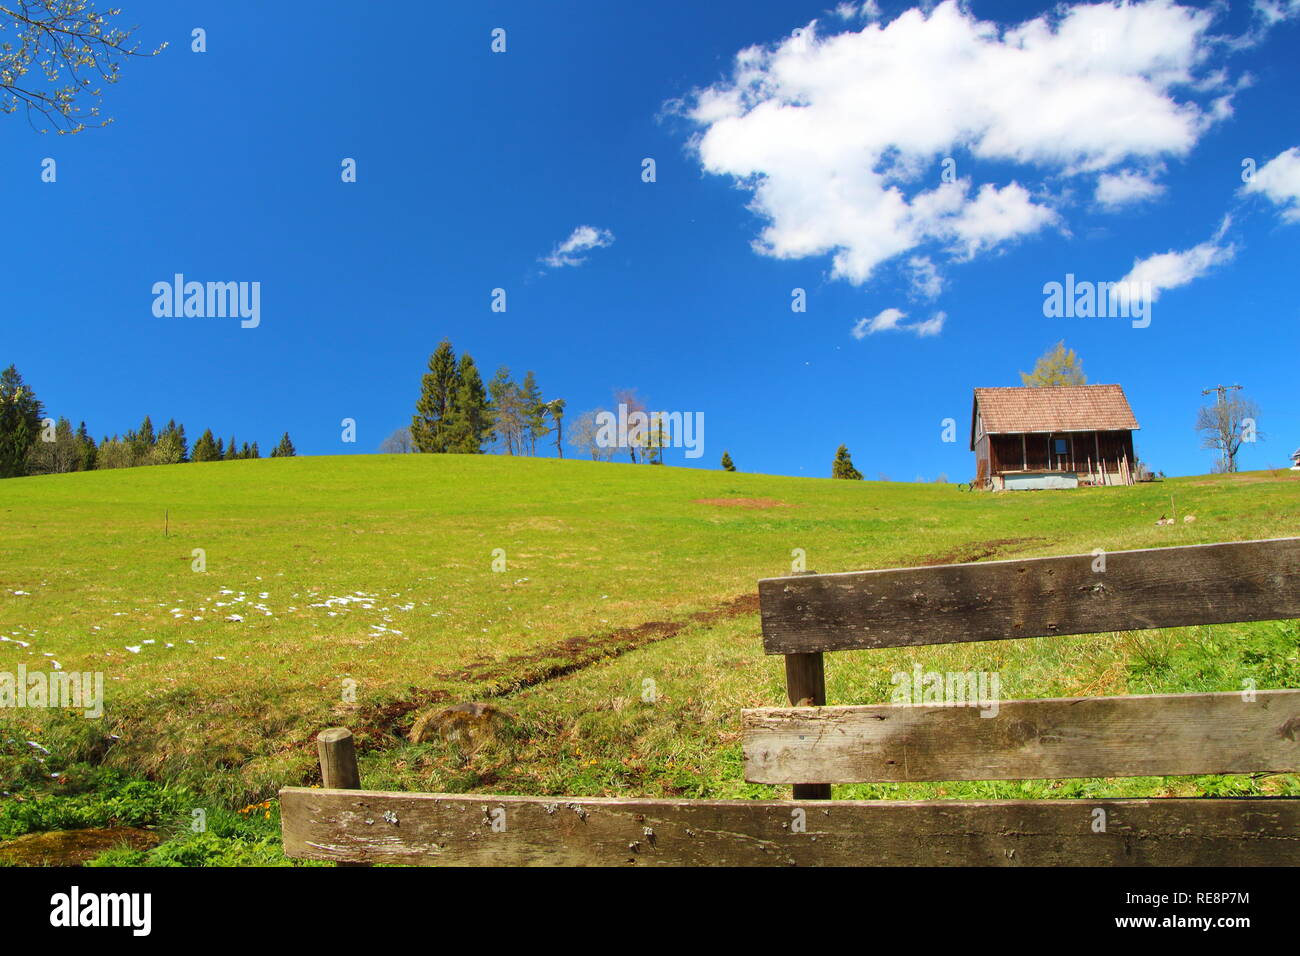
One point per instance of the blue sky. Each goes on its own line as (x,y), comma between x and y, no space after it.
(1103,139)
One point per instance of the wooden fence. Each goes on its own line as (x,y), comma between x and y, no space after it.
(813,746)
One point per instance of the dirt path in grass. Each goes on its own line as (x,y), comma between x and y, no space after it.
(976,551)
(498,678)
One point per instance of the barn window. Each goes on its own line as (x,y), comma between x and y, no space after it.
(1060,446)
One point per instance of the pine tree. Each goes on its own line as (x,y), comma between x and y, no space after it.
(843,465)
(245,451)
(140,443)
(232,449)
(534,409)
(433,411)
(20,422)
(254,452)
(87,448)
(727,464)
(205,449)
(1056,366)
(67,454)
(470,421)
(285,449)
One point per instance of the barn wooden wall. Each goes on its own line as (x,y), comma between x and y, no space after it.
(1008,453)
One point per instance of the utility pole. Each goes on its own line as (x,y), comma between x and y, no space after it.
(1222,392)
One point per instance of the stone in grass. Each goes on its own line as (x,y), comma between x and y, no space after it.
(469,723)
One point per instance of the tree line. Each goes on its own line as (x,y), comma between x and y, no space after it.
(457,414)
(32,444)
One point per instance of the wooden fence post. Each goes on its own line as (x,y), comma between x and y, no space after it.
(338,759)
(805,680)
(338,763)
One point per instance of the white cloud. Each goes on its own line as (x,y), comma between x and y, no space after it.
(924,277)
(581,240)
(1265,15)
(891,320)
(867,10)
(833,134)
(931,326)
(1274,11)
(1279,180)
(995,216)
(883,322)
(1127,186)
(1169,270)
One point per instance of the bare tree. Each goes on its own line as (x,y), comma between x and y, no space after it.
(54,54)
(1225,425)
(57,456)
(398,443)
(584,436)
(509,413)
(555,408)
(628,397)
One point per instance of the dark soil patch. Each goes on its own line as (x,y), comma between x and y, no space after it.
(976,551)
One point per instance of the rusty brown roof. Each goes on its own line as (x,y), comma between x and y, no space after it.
(1054,408)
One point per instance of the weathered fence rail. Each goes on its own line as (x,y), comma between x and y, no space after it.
(1032,597)
(1154,736)
(358,826)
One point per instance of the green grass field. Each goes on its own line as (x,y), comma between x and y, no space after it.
(379,570)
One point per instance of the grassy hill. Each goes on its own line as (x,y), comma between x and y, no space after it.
(379,570)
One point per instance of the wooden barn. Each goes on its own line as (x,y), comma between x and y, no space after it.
(1052,437)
